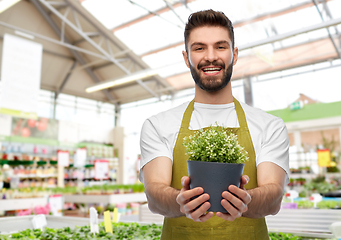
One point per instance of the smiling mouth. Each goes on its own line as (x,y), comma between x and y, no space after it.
(211,70)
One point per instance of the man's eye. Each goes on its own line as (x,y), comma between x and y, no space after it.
(198,49)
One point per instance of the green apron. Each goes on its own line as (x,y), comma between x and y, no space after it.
(215,228)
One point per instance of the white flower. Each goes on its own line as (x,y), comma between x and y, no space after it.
(215,144)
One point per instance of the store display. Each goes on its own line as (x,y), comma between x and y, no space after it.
(35,165)
(106,189)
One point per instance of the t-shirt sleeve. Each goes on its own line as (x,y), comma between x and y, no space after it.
(152,144)
(275,145)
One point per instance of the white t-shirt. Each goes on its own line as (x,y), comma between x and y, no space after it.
(269,134)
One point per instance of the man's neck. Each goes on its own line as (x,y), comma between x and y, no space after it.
(222,96)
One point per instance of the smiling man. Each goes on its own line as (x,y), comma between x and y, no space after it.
(207,60)
(210,55)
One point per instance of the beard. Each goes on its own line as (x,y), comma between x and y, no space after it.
(211,83)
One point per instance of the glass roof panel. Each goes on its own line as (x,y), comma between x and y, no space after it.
(110,14)
(334,8)
(159,33)
(254,31)
(151,34)
(173,58)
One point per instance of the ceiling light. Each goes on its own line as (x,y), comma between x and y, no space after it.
(123,80)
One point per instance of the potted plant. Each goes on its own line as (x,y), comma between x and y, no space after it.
(215,161)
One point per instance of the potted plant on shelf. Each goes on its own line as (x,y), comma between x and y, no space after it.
(215,161)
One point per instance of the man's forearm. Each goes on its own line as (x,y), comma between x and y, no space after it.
(266,200)
(162,200)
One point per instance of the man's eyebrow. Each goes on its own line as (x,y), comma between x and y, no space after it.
(223,42)
(197,44)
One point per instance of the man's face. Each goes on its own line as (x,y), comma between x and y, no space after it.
(210,57)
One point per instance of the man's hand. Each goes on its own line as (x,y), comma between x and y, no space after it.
(191,207)
(235,201)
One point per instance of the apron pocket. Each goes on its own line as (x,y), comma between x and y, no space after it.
(235,233)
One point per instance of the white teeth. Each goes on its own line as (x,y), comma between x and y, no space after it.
(211,69)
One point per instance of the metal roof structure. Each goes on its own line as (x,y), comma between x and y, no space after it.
(90,41)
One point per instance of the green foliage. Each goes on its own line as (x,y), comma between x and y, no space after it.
(120,231)
(283,236)
(330,204)
(305,204)
(333,169)
(215,144)
(319,187)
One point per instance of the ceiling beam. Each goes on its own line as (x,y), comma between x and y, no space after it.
(77,56)
(106,34)
(64,44)
(329,34)
(172,9)
(85,36)
(67,77)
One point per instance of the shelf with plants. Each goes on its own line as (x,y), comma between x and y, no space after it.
(27,198)
(40,173)
(86,174)
(78,228)
(107,189)
(25,193)
(320,184)
(19,150)
(29,173)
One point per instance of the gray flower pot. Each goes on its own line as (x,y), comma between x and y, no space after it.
(214,178)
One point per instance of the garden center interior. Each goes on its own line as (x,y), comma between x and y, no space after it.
(80,77)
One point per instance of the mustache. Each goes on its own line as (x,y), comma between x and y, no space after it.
(214,63)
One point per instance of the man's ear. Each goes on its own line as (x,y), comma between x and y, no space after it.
(185,55)
(235,55)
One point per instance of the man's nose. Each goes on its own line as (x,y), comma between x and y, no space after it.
(211,55)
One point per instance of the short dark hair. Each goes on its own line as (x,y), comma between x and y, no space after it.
(208,18)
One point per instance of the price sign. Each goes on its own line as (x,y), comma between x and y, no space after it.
(324,158)
(292,194)
(56,205)
(63,158)
(101,169)
(80,157)
(39,221)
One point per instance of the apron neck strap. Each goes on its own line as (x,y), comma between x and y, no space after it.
(188,114)
(240,114)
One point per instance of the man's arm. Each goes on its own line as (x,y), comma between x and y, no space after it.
(161,196)
(265,199)
(168,201)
